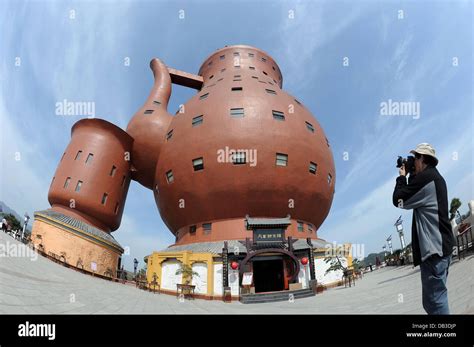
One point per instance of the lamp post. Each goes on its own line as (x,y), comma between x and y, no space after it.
(135,265)
(389,241)
(399,226)
(27,218)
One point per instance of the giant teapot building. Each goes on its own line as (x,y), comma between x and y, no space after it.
(242,175)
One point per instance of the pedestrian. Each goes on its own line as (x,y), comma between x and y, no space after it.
(122,272)
(4,225)
(432,237)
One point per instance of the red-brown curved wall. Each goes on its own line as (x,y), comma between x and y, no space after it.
(149,125)
(106,172)
(223,190)
(235,229)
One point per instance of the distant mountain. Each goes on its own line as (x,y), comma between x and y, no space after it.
(5,209)
(370,259)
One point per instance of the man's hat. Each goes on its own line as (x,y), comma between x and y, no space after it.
(425,149)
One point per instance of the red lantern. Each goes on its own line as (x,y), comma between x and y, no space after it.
(304,261)
(234,265)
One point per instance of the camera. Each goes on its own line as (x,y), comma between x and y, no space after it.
(409,163)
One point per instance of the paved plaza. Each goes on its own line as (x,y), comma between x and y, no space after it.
(42,286)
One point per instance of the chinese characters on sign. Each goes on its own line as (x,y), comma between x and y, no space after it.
(268,235)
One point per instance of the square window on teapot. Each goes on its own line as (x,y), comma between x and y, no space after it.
(237,112)
(197,120)
(198,164)
(169,135)
(281,159)
(169,176)
(278,115)
(270,91)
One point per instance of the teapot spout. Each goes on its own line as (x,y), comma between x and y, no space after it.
(161,91)
(149,125)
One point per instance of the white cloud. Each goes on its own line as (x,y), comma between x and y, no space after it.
(21,187)
(65,68)
(370,220)
(309,31)
(140,243)
(401,56)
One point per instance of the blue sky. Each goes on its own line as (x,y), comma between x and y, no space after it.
(402,59)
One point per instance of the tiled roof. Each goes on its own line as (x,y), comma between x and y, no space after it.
(208,247)
(232,245)
(273,222)
(302,244)
(85,228)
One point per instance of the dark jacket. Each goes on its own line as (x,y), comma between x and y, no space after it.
(427,195)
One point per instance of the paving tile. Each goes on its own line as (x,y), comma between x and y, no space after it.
(43,286)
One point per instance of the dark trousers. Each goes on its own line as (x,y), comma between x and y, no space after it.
(434,274)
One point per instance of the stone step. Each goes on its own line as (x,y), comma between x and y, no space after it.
(273,299)
(275,296)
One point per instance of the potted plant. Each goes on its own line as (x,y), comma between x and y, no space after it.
(335,264)
(453,210)
(188,273)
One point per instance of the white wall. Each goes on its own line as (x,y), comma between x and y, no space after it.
(304,275)
(200,281)
(234,281)
(320,267)
(218,279)
(169,279)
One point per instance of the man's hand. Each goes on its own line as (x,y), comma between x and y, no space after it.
(402,171)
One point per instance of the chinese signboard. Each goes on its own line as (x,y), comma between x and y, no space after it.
(225,262)
(268,235)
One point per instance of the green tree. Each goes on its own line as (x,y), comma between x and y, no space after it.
(187,272)
(142,272)
(455,205)
(335,264)
(13,222)
(356,265)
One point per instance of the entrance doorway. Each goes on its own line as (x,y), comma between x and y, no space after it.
(268,275)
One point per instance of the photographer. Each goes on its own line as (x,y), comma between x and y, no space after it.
(432,236)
